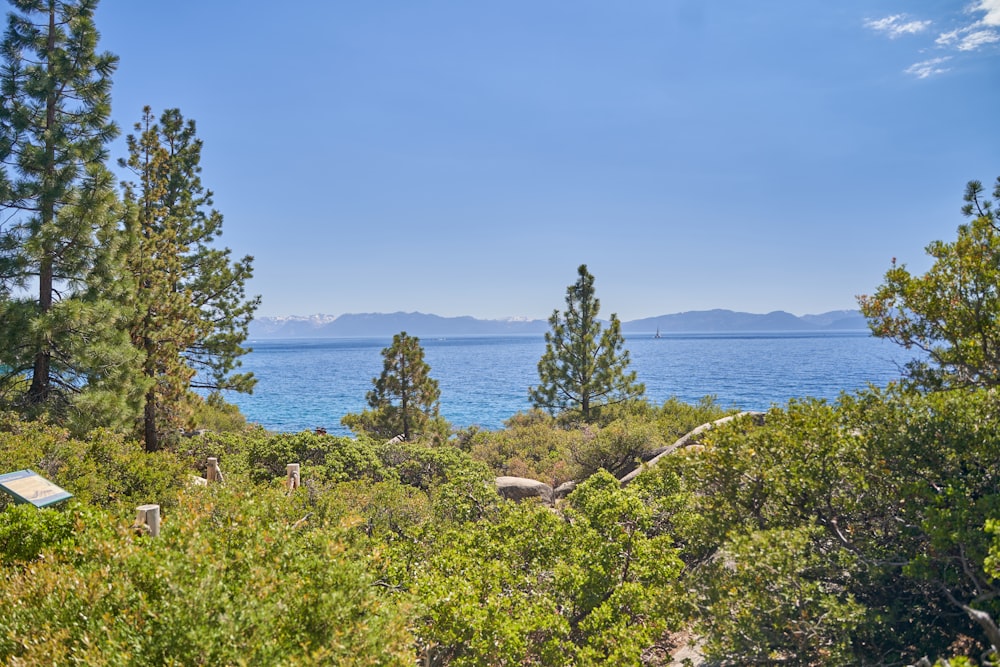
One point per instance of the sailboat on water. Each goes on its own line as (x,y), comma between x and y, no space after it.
(657,333)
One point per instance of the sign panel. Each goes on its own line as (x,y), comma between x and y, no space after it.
(29,487)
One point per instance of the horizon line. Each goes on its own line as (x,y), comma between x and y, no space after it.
(526,318)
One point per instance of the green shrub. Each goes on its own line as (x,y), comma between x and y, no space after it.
(531,446)
(215,414)
(618,447)
(676,418)
(103,468)
(263,456)
(556,450)
(773,595)
(326,457)
(230,580)
(524,585)
(25,530)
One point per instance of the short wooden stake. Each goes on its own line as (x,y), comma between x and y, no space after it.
(214,473)
(148,517)
(293,476)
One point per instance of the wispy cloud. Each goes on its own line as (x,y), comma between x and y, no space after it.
(982,31)
(976,38)
(976,28)
(968,38)
(927,68)
(897,25)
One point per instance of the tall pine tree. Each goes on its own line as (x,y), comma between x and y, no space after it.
(165,323)
(63,350)
(583,368)
(192,311)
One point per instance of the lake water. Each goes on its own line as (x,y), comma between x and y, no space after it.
(484,380)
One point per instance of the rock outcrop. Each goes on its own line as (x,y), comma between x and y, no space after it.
(564,490)
(521,488)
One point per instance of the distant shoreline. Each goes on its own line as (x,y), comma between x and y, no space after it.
(630,335)
(369,325)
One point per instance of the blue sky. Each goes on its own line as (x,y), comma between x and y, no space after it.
(463,158)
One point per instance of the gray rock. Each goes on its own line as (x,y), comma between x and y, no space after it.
(564,490)
(520,488)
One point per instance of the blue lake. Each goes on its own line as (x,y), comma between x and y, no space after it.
(484,380)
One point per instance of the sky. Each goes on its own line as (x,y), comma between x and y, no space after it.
(464,158)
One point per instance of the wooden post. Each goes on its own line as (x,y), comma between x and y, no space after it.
(148,516)
(293,476)
(214,473)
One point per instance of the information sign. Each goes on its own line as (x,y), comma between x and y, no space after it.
(29,487)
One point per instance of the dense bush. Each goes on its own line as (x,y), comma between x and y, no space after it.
(325,457)
(104,468)
(526,586)
(879,504)
(213,413)
(25,532)
(263,456)
(531,446)
(556,450)
(618,447)
(232,579)
(858,532)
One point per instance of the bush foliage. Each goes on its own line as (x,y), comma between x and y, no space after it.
(865,531)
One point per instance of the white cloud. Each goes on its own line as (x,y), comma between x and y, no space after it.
(927,68)
(896,25)
(975,28)
(992,9)
(947,38)
(976,38)
(969,38)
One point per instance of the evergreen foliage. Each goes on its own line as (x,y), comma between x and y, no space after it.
(404,400)
(535,444)
(64,350)
(191,314)
(583,368)
(230,580)
(525,586)
(103,469)
(883,499)
(215,282)
(530,446)
(165,323)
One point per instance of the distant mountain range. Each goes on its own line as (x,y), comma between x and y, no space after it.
(420,324)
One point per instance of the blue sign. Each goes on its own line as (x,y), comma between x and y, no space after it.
(29,487)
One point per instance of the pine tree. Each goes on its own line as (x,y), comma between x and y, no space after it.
(62,241)
(583,368)
(404,399)
(215,281)
(192,313)
(165,323)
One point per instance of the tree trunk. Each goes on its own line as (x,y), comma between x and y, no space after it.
(150,435)
(40,387)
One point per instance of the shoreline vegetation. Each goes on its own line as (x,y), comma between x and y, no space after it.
(802,506)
